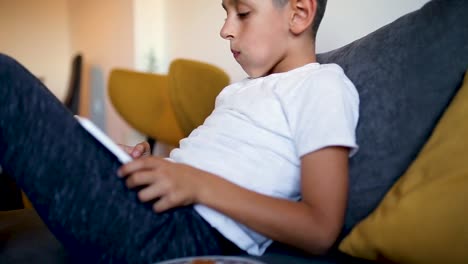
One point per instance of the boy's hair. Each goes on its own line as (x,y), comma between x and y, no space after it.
(321,6)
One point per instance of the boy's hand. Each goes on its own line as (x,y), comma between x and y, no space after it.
(173,184)
(142,149)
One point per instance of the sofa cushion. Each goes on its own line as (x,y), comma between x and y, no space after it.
(422,219)
(406,73)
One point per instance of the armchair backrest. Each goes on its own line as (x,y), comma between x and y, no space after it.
(142,100)
(167,107)
(193,87)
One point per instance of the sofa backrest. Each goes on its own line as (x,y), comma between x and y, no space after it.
(406,74)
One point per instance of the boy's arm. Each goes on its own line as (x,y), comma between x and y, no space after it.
(312,224)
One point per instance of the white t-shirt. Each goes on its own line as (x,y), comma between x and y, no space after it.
(259,130)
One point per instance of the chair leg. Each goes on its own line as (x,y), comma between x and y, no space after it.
(10,194)
(152,143)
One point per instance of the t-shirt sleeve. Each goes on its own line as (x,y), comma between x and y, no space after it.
(323,111)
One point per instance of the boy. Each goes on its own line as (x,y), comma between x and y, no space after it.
(270,162)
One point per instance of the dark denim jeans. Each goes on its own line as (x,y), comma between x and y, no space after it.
(71,180)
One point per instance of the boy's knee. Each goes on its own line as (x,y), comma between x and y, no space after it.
(9,67)
(6,61)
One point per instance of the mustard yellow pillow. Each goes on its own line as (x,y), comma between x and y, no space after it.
(424,216)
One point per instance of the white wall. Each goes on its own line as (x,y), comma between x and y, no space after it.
(346,20)
(43,35)
(103,31)
(181,29)
(36,33)
(193,27)
(149,31)
(193,32)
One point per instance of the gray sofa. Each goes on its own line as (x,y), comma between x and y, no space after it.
(406,73)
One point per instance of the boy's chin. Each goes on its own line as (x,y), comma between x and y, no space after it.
(255,74)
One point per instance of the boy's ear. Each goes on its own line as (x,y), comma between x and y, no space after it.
(302,15)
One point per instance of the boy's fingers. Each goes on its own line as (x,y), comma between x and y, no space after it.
(140,178)
(151,192)
(141,149)
(136,153)
(138,150)
(146,148)
(130,167)
(126,148)
(145,145)
(162,205)
(133,166)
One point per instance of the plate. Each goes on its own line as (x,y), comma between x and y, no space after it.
(212,260)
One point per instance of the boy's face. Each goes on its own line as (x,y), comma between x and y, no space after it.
(258,32)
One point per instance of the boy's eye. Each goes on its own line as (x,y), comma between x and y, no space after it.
(243,14)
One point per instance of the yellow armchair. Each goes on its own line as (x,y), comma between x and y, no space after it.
(167,107)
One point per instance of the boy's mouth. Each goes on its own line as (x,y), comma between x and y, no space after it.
(235,53)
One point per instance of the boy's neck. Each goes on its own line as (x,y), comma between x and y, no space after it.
(300,53)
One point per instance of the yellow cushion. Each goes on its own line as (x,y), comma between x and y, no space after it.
(167,107)
(26,202)
(142,99)
(193,88)
(424,216)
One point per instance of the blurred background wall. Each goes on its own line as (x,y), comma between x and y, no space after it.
(147,35)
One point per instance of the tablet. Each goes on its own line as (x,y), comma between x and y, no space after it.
(100,136)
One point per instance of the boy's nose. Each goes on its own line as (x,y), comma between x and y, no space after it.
(226,31)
